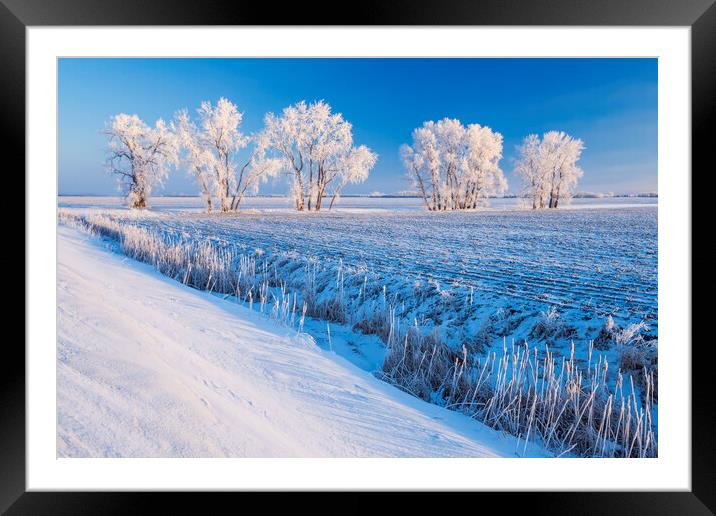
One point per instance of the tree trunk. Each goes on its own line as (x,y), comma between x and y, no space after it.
(236,203)
(556,197)
(310,184)
(320,189)
(299,191)
(557,190)
(138,195)
(436,192)
(139,201)
(422,189)
(320,194)
(333,199)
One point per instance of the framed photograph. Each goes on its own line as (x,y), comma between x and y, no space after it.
(445,247)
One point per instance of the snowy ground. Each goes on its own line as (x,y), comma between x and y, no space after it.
(361,203)
(148,367)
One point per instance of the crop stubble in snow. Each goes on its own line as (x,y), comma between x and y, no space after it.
(604,258)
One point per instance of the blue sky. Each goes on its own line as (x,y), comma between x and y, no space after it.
(609,103)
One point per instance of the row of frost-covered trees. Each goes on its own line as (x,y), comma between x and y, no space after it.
(453,167)
(457,167)
(308,142)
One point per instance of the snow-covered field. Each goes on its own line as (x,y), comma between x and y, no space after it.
(578,283)
(148,367)
(586,263)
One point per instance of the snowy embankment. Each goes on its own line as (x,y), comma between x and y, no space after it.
(148,367)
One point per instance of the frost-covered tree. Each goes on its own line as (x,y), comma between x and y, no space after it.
(212,154)
(197,157)
(315,147)
(548,168)
(480,175)
(139,155)
(564,151)
(220,137)
(423,165)
(531,168)
(454,167)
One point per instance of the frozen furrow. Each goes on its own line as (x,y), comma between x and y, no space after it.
(482,274)
(563,258)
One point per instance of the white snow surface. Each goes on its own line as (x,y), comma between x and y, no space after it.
(147,367)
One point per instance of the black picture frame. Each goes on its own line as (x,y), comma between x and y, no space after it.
(16,15)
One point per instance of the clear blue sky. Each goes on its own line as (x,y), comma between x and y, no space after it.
(609,103)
